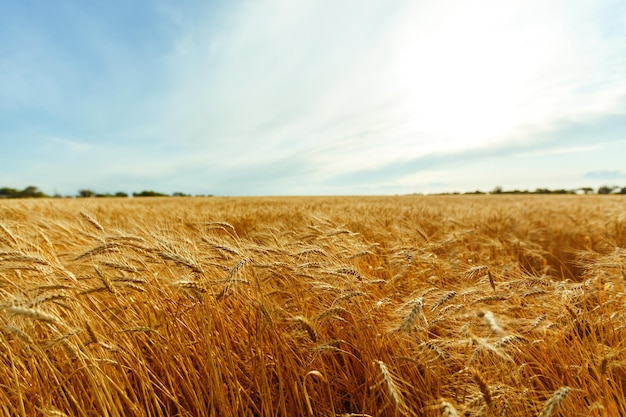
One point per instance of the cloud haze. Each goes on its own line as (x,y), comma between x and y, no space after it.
(312,97)
(606,175)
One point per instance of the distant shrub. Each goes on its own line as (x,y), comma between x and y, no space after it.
(86,193)
(149,193)
(28,192)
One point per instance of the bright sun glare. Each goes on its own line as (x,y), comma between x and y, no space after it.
(467,86)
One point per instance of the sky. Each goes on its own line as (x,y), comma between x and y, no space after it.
(312,97)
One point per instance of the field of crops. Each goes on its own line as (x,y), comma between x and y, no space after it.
(374,306)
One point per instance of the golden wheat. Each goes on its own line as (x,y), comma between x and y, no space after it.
(309,306)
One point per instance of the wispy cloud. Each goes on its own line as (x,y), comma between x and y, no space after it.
(606,175)
(72,145)
(424,78)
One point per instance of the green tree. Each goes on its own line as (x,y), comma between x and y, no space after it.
(86,193)
(31,192)
(7,192)
(605,189)
(149,193)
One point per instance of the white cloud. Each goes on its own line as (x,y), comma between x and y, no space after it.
(426,77)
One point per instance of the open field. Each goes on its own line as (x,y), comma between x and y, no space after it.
(380,306)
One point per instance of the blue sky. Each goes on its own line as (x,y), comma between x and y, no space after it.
(281,97)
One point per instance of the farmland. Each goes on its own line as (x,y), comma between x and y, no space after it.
(347,306)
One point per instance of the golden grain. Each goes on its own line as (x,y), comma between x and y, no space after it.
(513,299)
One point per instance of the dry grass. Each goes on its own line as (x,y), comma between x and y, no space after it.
(386,306)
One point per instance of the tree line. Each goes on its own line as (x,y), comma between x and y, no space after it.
(604,189)
(34,192)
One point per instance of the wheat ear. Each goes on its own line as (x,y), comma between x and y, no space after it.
(484,388)
(555,401)
(390,384)
(92,220)
(407,323)
(448,409)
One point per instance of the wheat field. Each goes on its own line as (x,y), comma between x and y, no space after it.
(338,306)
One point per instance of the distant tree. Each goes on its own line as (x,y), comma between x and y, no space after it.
(121,194)
(7,192)
(497,190)
(31,192)
(86,193)
(605,189)
(149,193)
(622,190)
(586,190)
(28,192)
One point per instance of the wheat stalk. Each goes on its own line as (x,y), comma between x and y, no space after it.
(34,314)
(306,393)
(19,333)
(330,312)
(477,271)
(51,412)
(484,388)
(387,379)
(222,247)
(229,280)
(490,320)
(555,401)
(180,260)
(106,281)
(305,324)
(92,220)
(8,234)
(448,409)
(120,266)
(433,348)
(443,299)
(409,320)
(107,247)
